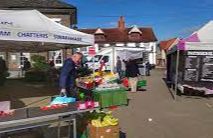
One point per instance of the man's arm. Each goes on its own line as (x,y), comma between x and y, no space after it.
(67,67)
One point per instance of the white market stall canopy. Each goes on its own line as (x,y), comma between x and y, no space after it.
(205,34)
(29,30)
(129,54)
(199,47)
(199,40)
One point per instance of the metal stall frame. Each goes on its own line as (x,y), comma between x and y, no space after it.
(35,122)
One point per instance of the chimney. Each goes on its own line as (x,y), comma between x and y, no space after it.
(121,23)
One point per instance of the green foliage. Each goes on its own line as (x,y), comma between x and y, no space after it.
(39,63)
(39,70)
(2,80)
(35,76)
(3,77)
(84,71)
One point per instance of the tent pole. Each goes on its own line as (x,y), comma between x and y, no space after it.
(176,74)
(113,58)
(93,62)
(64,51)
(7,59)
(48,55)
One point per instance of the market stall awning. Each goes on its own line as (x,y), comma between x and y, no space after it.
(129,54)
(30,30)
(199,40)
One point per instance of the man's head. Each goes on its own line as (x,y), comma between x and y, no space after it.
(77,57)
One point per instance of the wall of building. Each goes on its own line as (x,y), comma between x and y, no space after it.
(150,49)
(65,19)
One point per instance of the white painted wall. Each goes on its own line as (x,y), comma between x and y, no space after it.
(150,47)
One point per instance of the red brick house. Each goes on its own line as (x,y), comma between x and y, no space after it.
(164,46)
(122,36)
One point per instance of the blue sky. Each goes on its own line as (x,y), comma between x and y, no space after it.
(168,18)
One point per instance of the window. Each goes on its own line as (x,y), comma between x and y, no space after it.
(13,57)
(23,57)
(57,57)
(105,59)
(83,49)
(99,37)
(134,36)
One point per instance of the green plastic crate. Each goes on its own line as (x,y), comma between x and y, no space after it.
(104,98)
(142,83)
(120,98)
(109,98)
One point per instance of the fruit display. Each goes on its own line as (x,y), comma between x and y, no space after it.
(6,113)
(87,105)
(103,132)
(104,80)
(107,86)
(104,121)
(52,107)
(98,80)
(86,85)
(86,82)
(109,77)
(95,74)
(88,79)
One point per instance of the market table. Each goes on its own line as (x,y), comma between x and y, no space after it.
(31,118)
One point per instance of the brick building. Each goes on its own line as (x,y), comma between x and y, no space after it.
(57,10)
(122,36)
(164,46)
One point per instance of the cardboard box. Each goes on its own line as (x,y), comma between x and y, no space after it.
(104,132)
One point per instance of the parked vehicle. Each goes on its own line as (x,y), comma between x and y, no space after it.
(109,56)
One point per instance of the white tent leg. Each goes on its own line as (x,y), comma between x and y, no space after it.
(113,59)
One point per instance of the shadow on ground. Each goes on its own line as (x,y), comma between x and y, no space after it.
(21,93)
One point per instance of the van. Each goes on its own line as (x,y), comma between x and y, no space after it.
(109,56)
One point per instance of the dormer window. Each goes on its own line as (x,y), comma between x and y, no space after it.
(99,35)
(135,34)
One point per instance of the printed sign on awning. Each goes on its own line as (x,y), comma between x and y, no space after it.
(31,25)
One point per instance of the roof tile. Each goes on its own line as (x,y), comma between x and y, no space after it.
(165,45)
(116,35)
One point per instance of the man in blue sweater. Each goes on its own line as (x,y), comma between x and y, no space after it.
(68,75)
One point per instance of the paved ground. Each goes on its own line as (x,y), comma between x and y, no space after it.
(184,118)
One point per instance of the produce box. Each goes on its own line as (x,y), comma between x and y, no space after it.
(119,97)
(103,132)
(16,115)
(142,83)
(104,98)
(107,98)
